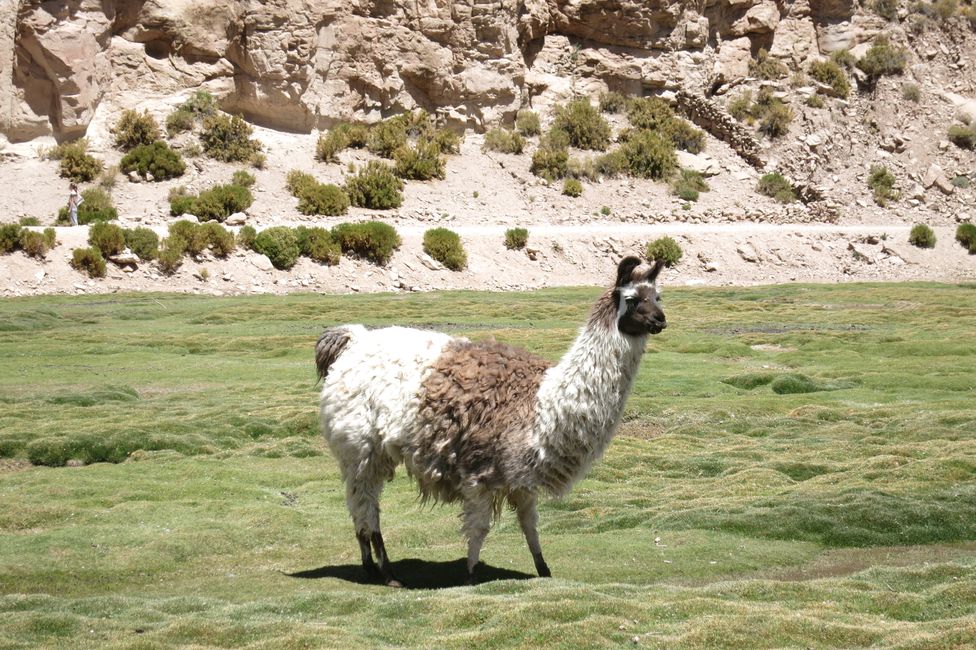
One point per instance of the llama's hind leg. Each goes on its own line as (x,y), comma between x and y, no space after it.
(476,520)
(528,516)
(363,500)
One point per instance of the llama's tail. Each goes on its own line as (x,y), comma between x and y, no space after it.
(331,344)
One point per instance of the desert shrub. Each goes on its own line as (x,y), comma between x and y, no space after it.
(582,168)
(200,104)
(966,235)
(170,257)
(370,240)
(549,163)
(921,236)
(388,136)
(217,203)
(298,182)
(887,9)
(228,138)
(318,244)
(970,14)
(179,121)
(882,184)
(323,198)
(445,246)
(910,92)
(108,238)
(143,242)
(219,239)
(766,67)
(109,177)
(831,74)
(814,101)
(357,135)
(446,140)
(33,243)
(777,186)
(883,59)
(242,178)
(775,120)
(583,124)
(572,187)
(88,260)
(649,155)
(259,160)
(29,221)
(612,164)
(685,136)
(665,249)
(650,113)
(740,105)
(527,123)
(96,206)
(330,144)
(516,238)
(75,162)
(844,58)
(504,141)
(376,187)
(688,184)
(156,159)
(280,246)
(246,236)
(187,237)
(960,181)
(421,162)
(9,237)
(963,135)
(51,237)
(945,9)
(613,102)
(134,129)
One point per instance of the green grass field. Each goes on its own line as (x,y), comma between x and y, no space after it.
(797,468)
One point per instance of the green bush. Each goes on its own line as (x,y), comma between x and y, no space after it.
(844,59)
(665,249)
(685,136)
(96,206)
(887,9)
(963,135)
(966,235)
(108,238)
(650,113)
(421,162)
(143,242)
(582,168)
(766,67)
(613,102)
(777,186)
(612,164)
(445,246)
(516,238)
(9,237)
(504,141)
(794,384)
(814,101)
(549,163)
(33,243)
(921,236)
(29,221)
(910,92)
(318,244)
(51,237)
(960,181)
(688,184)
(246,236)
(830,73)
(217,203)
(323,198)
(330,144)
(388,136)
(88,260)
(156,159)
(370,240)
(242,178)
(527,123)
(649,155)
(572,187)
(179,121)
(187,237)
(228,138)
(776,118)
(280,246)
(583,124)
(75,163)
(200,104)
(446,140)
(376,187)
(883,59)
(219,239)
(298,182)
(170,257)
(134,129)
(740,106)
(882,184)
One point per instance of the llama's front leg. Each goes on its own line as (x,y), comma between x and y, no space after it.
(476,521)
(528,516)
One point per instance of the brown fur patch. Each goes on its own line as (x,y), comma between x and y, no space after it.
(604,312)
(330,345)
(477,410)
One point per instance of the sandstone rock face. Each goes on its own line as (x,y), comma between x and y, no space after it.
(304,64)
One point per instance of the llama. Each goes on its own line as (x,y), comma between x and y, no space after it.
(479,422)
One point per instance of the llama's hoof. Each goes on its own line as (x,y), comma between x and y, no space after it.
(471,581)
(393,582)
(544,572)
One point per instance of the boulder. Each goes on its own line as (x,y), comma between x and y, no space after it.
(236,219)
(701,163)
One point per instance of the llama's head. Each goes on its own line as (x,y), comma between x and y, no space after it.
(636,298)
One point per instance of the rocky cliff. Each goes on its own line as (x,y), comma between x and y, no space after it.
(303,64)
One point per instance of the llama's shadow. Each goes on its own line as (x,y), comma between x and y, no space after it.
(416,574)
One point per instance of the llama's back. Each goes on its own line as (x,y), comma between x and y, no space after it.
(370,396)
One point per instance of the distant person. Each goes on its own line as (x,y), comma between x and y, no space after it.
(74,200)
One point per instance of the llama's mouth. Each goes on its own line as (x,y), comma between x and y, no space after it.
(656,328)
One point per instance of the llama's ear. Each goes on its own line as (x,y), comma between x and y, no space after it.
(626,269)
(658,265)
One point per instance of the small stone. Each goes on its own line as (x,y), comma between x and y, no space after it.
(236,219)
(261,262)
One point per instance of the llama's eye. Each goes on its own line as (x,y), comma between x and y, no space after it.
(631,300)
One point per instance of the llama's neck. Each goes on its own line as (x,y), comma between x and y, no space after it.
(580,404)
